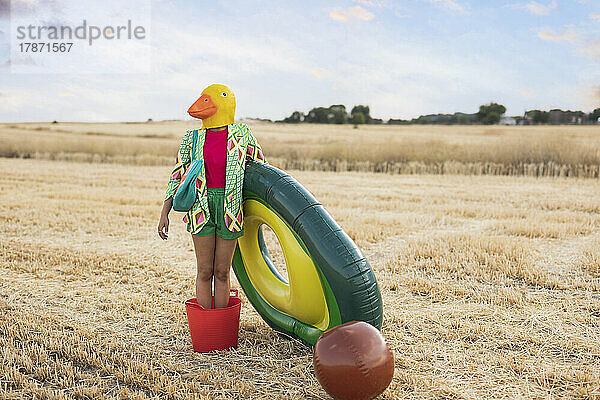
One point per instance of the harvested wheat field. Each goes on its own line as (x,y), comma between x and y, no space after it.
(559,151)
(491,287)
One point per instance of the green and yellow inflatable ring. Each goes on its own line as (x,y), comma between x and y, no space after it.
(330,280)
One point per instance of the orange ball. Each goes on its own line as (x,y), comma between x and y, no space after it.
(353,361)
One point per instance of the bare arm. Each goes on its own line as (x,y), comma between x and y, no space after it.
(163,224)
(183,162)
(167,205)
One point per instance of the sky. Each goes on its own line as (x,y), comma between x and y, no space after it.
(401,58)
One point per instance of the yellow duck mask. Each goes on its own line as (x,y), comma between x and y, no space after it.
(215,107)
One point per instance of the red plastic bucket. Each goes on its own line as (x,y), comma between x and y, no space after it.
(216,328)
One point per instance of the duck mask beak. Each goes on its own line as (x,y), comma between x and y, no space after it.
(203,108)
(215,107)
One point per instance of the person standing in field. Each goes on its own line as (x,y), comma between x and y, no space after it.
(216,217)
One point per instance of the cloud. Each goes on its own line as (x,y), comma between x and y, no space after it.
(586,46)
(14,100)
(595,17)
(406,80)
(356,12)
(282,71)
(4,8)
(394,8)
(589,94)
(224,53)
(592,49)
(527,92)
(23,7)
(449,4)
(540,9)
(373,3)
(320,73)
(568,35)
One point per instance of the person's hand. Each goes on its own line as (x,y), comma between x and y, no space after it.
(163,226)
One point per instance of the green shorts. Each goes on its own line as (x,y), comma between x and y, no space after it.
(216,222)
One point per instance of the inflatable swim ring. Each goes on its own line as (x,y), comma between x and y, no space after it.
(330,280)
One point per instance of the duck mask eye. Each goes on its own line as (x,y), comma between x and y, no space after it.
(224,94)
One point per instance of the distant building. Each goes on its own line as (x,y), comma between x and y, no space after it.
(527,119)
(508,121)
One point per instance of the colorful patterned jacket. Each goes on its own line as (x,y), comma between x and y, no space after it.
(241,144)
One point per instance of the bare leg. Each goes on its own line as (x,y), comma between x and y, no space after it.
(205,251)
(223,256)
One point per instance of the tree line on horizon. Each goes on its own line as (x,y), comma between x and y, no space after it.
(334,114)
(488,114)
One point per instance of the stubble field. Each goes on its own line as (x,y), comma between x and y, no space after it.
(490,284)
(554,151)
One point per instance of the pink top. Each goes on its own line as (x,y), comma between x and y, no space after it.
(215,158)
